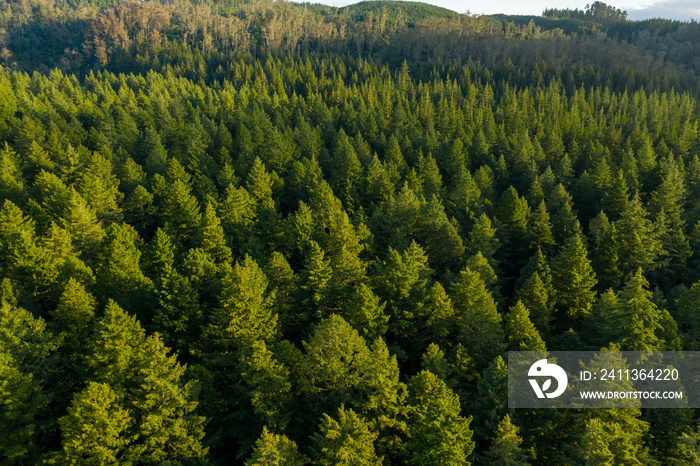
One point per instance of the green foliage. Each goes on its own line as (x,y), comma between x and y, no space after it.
(476,317)
(639,321)
(437,432)
(346,440)
(275,450)
(95,429)
(505,447)
(139,369)
(574,279)
(245,313)
(521,334)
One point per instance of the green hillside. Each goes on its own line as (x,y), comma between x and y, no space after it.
(411,12)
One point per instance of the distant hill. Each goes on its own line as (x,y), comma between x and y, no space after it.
(413,12)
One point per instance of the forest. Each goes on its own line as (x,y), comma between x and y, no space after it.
(267,233)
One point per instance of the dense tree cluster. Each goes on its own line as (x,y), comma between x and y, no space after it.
(324,257)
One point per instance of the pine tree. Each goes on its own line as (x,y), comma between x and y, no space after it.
(211,236)
(438,313)
(564,222)
(259,185)
(21,259)
(119,274)
(245,312)
(275,450)
(27,363)
(639,321)
(159,254)
(595,445)
(622,429)
(607,260)
(269,387)
(161,403)
(476,317)
(167,424)
(540,229)
(81,222)
(286,285)
(505,447)
(639,243)
(338,367)
(429,174)
(483,238)
(178,314)
(402,281)
(491,402)
(100,188)
(345,441)
(315,277)
(521,334)
(378,184)
(616,198)
(513,211)
(536,296)
(95,430)
(365,312)
(11,180)
(75,311)
(437,432)
(479,264)
(574,279)
(181,212)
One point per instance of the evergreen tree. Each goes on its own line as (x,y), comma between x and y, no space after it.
(11,180)
(594,445)
(437,432)
(513,211)
(75,311)
(366,313)
(505,447)
(540,229)
(345,441)
(119,274)
(315,278)
(211,236)
(521,334)
(268,384)
(245,312)
(616,198)
(159,255)
(165,427)
(536,296)
(178,314)
(476,317)
(574,279)
(607,260)
(181,212)
(402,281)
(483,239)
(275,450)
(639,321)
(95,430)
(639,243)
(81,222)
(564,222)
(27,362)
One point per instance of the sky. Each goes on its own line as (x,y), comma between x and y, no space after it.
(636,9)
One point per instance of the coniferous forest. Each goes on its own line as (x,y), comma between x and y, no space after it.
(266,233)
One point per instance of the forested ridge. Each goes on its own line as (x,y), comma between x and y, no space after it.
(266,233)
